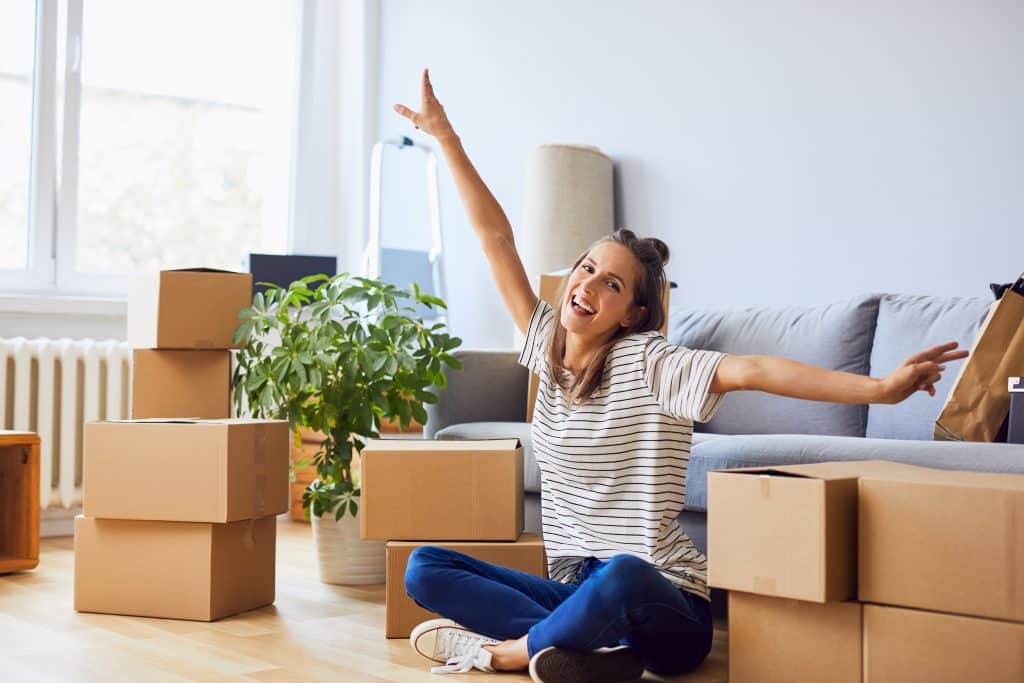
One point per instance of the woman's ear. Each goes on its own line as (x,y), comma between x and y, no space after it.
(635,315)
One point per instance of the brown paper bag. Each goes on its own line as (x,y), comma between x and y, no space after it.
(978,404)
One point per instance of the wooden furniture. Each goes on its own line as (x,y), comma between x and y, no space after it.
(304,476)
(19,501)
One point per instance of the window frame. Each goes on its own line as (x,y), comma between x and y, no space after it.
(53,206)
(40,268)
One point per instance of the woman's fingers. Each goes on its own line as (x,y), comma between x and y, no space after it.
(406,112)
(428,89)
(955,355)
(933,352)
(431,118)
(943,353)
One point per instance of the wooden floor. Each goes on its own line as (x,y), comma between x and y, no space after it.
(314,632)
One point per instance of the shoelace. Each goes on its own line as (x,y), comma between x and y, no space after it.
(466,652)
(456,665)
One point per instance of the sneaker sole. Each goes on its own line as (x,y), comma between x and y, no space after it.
(424,636)
(611,665)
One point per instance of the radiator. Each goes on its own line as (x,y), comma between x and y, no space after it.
(53,386)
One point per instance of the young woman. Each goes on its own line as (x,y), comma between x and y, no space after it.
(611,432)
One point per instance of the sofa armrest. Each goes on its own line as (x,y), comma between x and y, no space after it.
(491,387)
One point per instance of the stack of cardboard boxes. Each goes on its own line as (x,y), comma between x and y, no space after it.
(179,511)
(869,571)
(463,495)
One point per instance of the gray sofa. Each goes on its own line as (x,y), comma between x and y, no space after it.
(869,335)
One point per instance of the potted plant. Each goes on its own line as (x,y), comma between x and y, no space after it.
(337,355)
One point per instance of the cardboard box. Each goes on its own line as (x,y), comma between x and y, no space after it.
(172,383)
(403,614)
(944,540)
(193,308)
(176,570)
(185,470)
(442,490)
(784,531)
(779,640)
(550,285)
(787,531)
(911,646)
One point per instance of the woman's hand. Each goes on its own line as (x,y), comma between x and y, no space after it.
(920,372)
(430,118)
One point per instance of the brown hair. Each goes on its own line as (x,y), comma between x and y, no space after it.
(651,255)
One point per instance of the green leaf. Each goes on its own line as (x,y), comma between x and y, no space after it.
(267,397)
(451,362)
(319,277)
(433,300)
(243,331)
(366,362)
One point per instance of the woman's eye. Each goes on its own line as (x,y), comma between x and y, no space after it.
(587,268)
(613,285)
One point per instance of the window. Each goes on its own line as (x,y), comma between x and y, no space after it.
(16,56)
(172,135)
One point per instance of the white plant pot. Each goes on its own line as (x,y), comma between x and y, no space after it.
(344,558)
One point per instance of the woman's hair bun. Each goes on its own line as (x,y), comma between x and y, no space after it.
(659,247)
(646,248)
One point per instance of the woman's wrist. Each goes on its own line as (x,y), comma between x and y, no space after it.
(448,139)
(877,390)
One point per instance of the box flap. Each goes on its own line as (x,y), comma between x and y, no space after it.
(201,269)
(910,474)
(823,470)
(526,539)
(192,420)
(156,420)
(431,445)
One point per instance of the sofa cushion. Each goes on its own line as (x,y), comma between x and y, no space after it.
(793,449)
(908,324)
(468,431)
(836,336)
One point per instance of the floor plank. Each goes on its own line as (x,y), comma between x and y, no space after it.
(314,632)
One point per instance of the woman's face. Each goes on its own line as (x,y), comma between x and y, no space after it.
(599,294)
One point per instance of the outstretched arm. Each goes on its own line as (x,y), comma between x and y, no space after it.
(485,214)
(790,378)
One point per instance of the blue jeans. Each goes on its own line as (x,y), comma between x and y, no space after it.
(622,601)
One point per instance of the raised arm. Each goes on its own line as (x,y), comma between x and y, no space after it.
(790,378)
(485,214)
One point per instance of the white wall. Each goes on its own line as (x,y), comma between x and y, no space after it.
(789,152)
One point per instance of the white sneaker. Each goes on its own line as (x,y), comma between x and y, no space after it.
(458,648)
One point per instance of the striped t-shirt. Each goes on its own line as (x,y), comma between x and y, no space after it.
(613,470)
